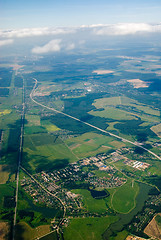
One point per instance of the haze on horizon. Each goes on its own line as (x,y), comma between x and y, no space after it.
(40,13)
(41,27)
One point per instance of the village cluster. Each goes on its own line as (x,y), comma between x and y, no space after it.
(54,188)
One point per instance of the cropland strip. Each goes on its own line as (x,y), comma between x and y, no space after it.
(92,126)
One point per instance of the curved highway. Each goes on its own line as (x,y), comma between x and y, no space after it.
(92,126)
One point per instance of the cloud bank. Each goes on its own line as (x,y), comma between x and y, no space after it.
(126,29)
(6,42)
(33,32)
(97,29)
(52,46)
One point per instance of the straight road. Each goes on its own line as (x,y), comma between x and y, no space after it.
(92,126)
(51,194)
(19,159)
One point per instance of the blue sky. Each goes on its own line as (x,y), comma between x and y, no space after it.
(40,13)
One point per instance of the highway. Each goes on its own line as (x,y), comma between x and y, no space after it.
(19,159)
(92,126)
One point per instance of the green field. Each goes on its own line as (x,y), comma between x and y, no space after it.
(88,228)
(124,108)
(124,198)
(158,220)
(32,120)
(120,236)
(125,101)
(46,152)
(50,236)
(89,144)
(111,112)
(91,204)
(5,191)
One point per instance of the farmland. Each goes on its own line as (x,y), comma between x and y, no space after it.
(76,179)
(88,228)
(25,232)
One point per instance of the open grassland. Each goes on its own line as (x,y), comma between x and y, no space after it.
(5,191)
(6,120)
(124,108)
(50,236)
(49,126)
(88,228)
(41,139)
(124,198)
(32,120)
(117,144)
(34,129)
(46,151)
(49,156)
(120,235)
(25,232)
(155,167)
(58,151)
(100,173)
(91,204)
(89,144)
(4,174)
(113,113)
(111,126)
(157,129)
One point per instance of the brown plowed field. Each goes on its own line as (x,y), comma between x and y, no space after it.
(152,229)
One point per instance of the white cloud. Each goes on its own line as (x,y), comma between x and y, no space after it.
(6,42)
(70,46)
(52,46)
(97,29)
(31,32)
(126,28)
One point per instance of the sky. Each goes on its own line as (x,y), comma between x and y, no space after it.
(15,14)
(49,26)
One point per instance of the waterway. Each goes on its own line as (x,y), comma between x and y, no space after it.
(125,219)
(98,194)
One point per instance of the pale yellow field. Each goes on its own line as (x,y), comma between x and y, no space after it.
(4,174)
(137,83)
(4,230)
(4,112)
(51,128)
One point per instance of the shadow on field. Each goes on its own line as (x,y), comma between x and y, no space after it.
(43,163)
(46,165)
(20,230)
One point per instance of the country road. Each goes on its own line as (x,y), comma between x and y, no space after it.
(19,158)
(92,126)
